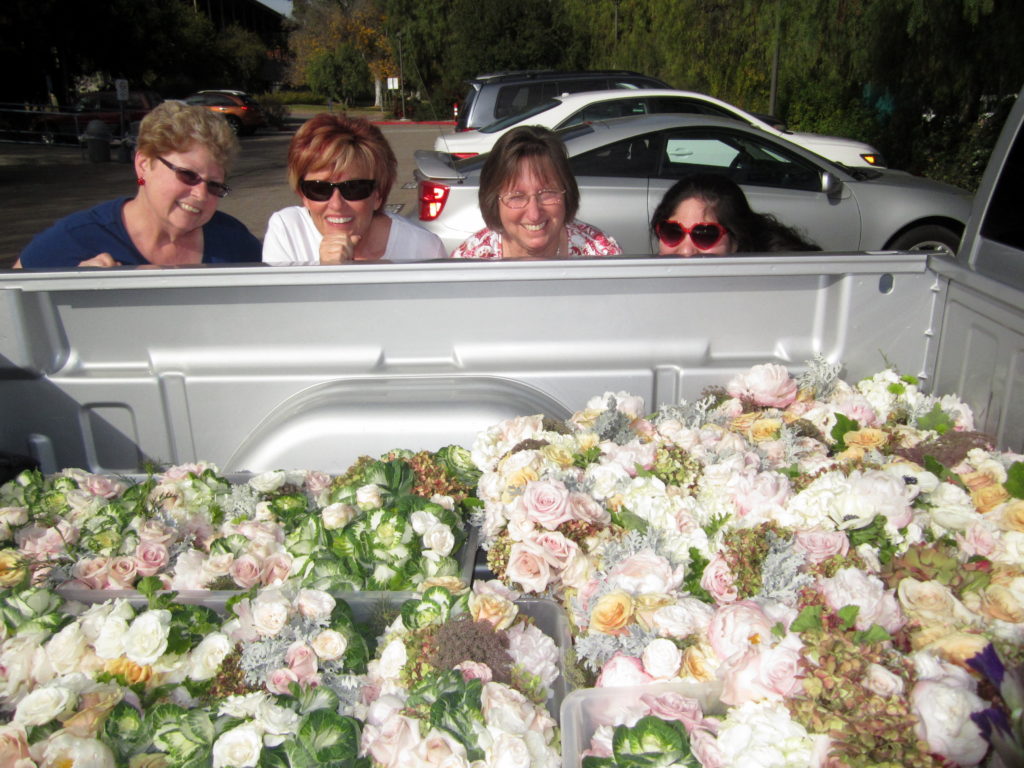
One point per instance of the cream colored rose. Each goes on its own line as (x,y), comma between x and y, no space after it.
(330,644)
(853,453)
(205,660)
(743,423)
(369,497)
(765,429)
(269,613)
(44,704)
(66,649)
(239,746)
(930,602)
(337,516)
(882,682)
(453,584)
(494,609)
(1000,602)
(989,497)
(698,664)
(558,455)
(1010,516)
(867,438)
(612,612)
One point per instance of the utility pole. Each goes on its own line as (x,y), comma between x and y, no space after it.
(775,61)
(401,77)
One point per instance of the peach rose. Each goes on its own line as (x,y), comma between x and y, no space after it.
(1010,516)
(956,647)
(765,429)
(989,497)
(612,612)
(866,439)
(1000,602)
(12,568)
(494,609)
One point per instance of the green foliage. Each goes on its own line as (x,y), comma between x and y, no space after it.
(340,75)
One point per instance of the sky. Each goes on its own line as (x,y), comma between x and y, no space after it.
(281,6)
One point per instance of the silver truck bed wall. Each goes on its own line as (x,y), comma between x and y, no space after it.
(261,368)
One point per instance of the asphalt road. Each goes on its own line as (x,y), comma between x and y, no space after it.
(40,184)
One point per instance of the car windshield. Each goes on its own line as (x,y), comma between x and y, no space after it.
(505,122)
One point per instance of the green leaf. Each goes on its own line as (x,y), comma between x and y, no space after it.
(809,620)
(1014,484)
(843,425)
(149,586)
(936,419)
(329,737)
(848,614)
(873,634)
(629,520)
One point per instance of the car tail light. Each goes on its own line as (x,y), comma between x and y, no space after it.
(432,196)
(464,155)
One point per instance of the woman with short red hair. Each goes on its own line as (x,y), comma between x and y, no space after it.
(343,169)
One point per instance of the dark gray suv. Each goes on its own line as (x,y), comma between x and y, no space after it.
(501,94)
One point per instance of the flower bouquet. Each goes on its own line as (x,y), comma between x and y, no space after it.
(462,680)
(830,555)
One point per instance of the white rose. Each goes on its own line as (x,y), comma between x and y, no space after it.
(66,648)
(268,481)
(662,659)
(952,507)
(207,657)
(330,645)
(315,603)
(505,709)
(276,722)
(945,723)
(109,644)
(369,497)
(422,521)
(146,639)
(238,748)
(509,752)
(244,706)
(688,617)
(338,515)
(392,659)
(882,682)
(439,539)
(269,612)
(443,501)
(44,704)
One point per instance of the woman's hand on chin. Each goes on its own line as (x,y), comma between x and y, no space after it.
(337,249)
(100,260)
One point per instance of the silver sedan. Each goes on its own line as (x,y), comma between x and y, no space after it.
(625,166)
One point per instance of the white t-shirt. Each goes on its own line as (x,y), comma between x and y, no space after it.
(292,238)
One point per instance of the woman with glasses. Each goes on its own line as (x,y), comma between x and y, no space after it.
(181,162)
(342,170)
(707,215)
(529,199)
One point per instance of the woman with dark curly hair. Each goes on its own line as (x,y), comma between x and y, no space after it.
(706,214)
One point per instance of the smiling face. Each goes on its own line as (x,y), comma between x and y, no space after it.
(338,215)
(536,230)
(695,210)
(178,206)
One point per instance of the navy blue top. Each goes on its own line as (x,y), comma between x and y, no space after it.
(89,233)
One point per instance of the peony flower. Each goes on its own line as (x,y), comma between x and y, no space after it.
(734,627)
(621,670)
(643,572)
(944,721)
(762,672)
(768,384)
(67,749)
(877,604)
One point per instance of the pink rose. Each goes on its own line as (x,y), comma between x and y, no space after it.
(719,581)
(762,672)
(644,573)
(245,571)
(40,543)
(769,384)
(736,626)
(14,747)
(317,482)
(391,743)
(528,566)
(705,748)
(92,572)
(183,471)
(878,605)
(857,407)
(123,573)
(279,680)
(150,557)
(818,545)
(583,506)
(546,502)
(155,531)
(558,549)
(978,539)
(276,568)
(302,660)
(104,486)
(475,670)
(760,495)
(675,706)
(621,670)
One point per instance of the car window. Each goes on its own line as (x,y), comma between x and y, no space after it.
(606,110)
(744,159)
(500,125)
(1002,221)
(584,84)
(635,157)
(677,105)
(513,99)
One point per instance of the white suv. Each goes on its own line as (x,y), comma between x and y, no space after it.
(573,108)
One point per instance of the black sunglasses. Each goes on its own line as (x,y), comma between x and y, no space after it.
(191,178)
(352,190)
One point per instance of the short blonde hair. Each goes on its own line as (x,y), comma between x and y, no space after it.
(336,142)
(174,126)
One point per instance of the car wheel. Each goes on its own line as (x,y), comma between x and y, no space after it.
(235,123)
(933,238)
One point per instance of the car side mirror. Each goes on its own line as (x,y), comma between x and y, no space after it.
(830,185)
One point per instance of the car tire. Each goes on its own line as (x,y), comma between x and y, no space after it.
(932,238)
(235,123)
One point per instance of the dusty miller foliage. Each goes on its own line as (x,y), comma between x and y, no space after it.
(692,415)
(243,501)
(613,425)
(820,377)
(596,649)
(781,578)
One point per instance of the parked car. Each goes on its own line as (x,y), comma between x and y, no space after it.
(502,94)
(69,124)
(239,109)
(570,109)
(624,167)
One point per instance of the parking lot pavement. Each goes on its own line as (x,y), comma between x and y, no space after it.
(42,183)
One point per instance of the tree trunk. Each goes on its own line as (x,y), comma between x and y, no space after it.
(378,92)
